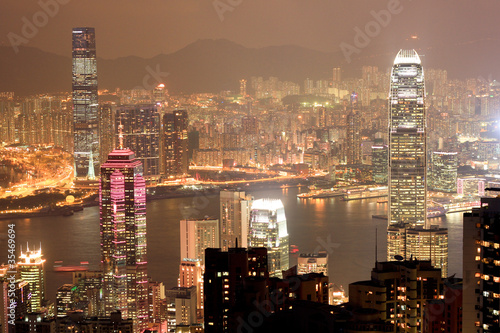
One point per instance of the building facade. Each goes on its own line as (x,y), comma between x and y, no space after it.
(234,219)
(122,204)
(141,133)
(85,104)
(481,268)
(268,229)
(407,141)
(444,170)
(31,269)
(225,277)
(175,126)
(353,140)
(198,235)
(313,263)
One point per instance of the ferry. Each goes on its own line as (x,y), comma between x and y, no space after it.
(436,211)
(366,193)
(316,194)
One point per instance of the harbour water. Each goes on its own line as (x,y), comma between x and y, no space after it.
(345,229)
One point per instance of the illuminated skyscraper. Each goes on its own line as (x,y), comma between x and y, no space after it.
(353,140)
(191,274)
(444,167)
(337,75)
(198,235)
(106,130)
(175,143)
(122,199)
(141,134)
(234,219)
(407,210)
(31,269)
(85,103)
(407,141)
(268,229)
(243,88)
(429,244)
(481,272)
(379,162)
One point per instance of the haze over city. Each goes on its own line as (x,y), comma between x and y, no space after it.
(249,166)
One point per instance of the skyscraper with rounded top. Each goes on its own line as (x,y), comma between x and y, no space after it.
(268,229)
(407,141)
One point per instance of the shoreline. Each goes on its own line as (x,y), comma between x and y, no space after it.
(68,210)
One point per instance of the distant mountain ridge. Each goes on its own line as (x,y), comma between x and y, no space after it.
(216,65)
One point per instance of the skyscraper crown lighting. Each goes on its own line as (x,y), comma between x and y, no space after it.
(407,57)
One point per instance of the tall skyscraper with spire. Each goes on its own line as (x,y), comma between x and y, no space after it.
(85,104)
(122,201)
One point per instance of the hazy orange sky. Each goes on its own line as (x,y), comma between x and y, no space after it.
(149,27)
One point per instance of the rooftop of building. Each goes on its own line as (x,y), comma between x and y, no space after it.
(321,254)
(394,266)
(407,57)
(267,204)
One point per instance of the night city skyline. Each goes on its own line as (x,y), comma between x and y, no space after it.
(235,166)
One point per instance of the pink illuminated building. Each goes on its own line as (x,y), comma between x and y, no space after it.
(122,203)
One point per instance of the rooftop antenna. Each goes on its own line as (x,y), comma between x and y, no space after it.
(376,245)
(120,134)
(236,242)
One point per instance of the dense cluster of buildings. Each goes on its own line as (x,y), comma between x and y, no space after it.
(234,270)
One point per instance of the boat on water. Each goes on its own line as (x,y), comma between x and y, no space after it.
(316,194)
(366,193)
(59,267)
(294,249)
(436,211)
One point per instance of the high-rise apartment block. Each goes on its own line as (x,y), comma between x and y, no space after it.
(85,103)
(140,127)
(481,268)
(353,140)
(444,172)
(175,136)
(107,130)
(396,294)
(198,235)
(226,277)
(380,162)
(234,219)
